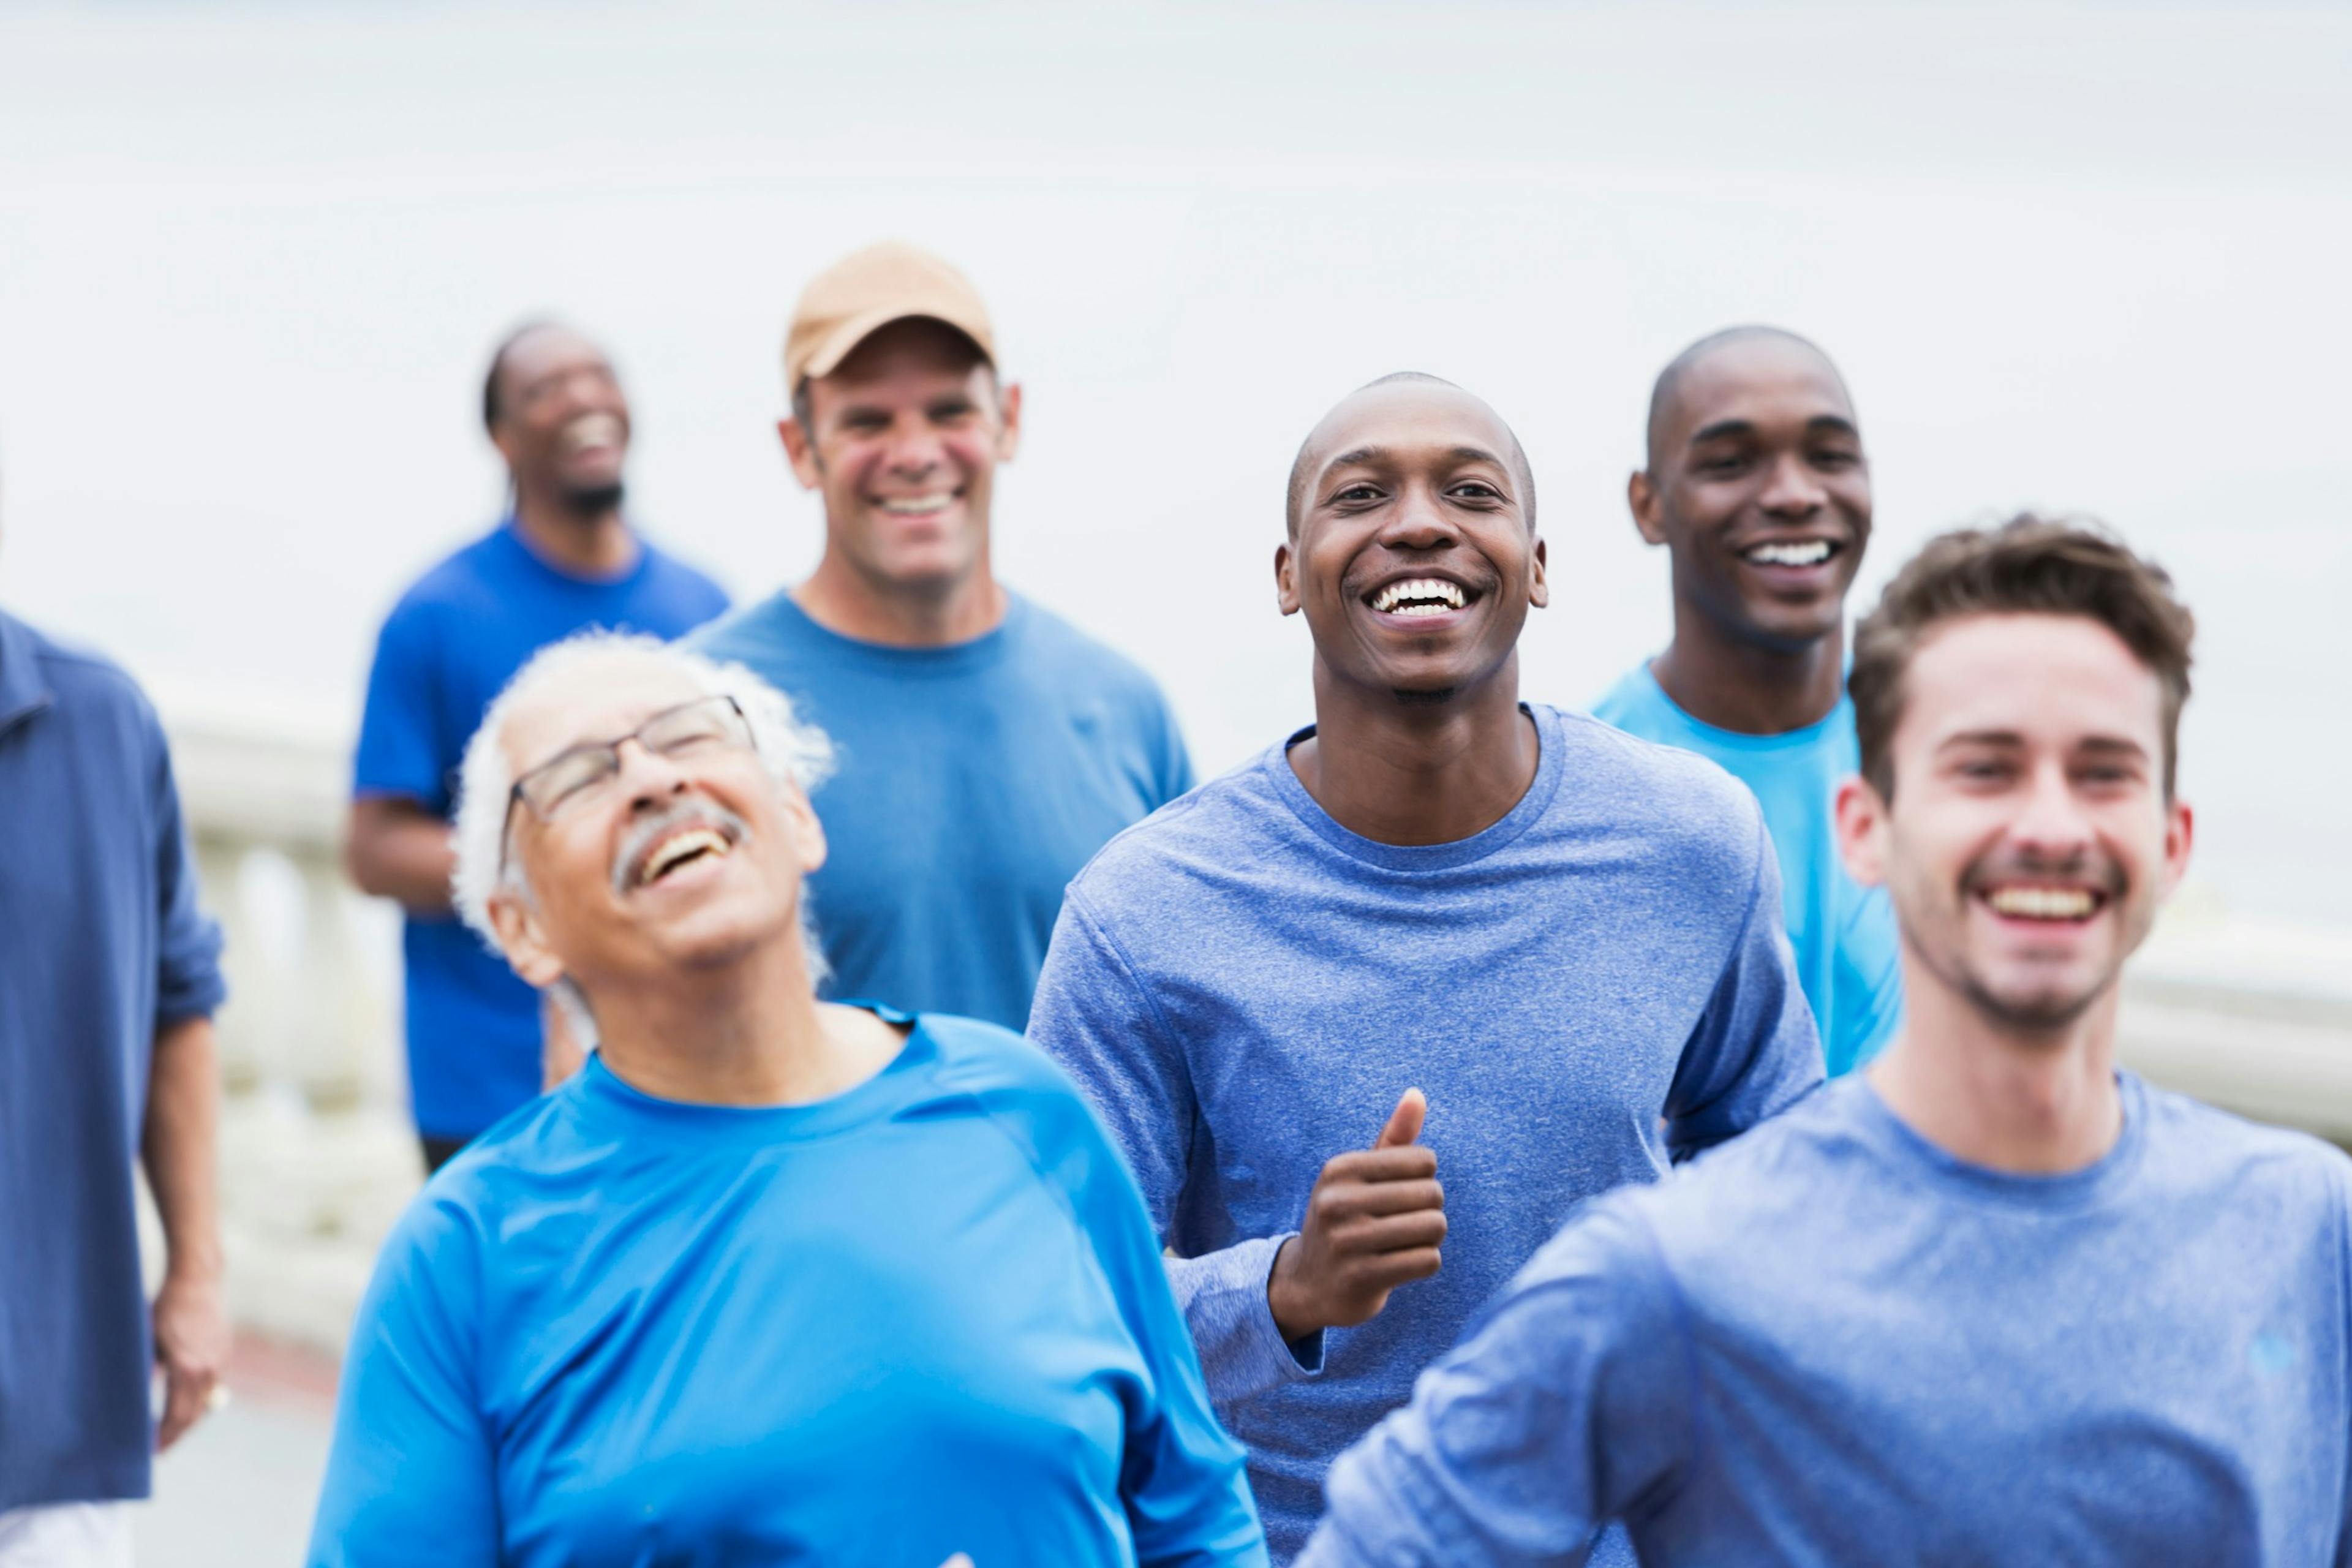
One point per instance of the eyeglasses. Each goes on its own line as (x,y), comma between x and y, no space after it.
(574,774)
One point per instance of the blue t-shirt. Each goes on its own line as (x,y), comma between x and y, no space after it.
(101,944)
(972,782)
(1843,932)
(1833,1342)
(923,1317)
(448,647)
(1245,987)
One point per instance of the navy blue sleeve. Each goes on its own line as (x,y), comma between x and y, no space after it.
(187,951)
(1182,1478)
(400,750)
(411,1476)
(1754,1053)
(1567,1404)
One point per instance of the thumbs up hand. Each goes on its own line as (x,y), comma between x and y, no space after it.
(1374,1222)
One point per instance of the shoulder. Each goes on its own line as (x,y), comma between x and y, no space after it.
(1070,655)
(751,633)
(1628,701)
(1014,1083)
(1652,788)
(461,582)
(672,575)
(1215,829)
(86,678)
(2209,1147)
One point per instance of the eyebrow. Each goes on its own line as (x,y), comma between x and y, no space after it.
(2116,745)
(1466,453)
(1721,428)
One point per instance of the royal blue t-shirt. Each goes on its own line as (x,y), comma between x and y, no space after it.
(924,1317)
(972,782)
(101,944)
(1843,932)
(1245,987)
(1832,1343)
(448,647)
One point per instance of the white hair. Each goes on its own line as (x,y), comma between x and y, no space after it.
(795,754)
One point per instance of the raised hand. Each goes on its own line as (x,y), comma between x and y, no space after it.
(1374,1221)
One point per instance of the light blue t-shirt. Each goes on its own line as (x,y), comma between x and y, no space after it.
(974,782)
(1245,987)
(923,1317)
(1832,1342)
(451,644)
(1843,932)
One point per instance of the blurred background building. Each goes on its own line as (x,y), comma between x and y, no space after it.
(252,257)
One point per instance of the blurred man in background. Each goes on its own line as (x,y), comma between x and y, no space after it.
(988,747)
(563,559)
(1991,1299)
(1757,486)
(1569,937)
(109,976)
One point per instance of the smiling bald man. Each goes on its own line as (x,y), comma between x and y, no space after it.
(1559,944)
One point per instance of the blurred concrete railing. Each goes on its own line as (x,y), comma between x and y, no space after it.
(318,1158)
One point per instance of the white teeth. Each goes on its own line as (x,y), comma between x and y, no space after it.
(916,505)
(1812,552)
(684,846)
(2044,903)
(1420,597)
(592,430)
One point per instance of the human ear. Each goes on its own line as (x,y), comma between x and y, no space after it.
(523,941)
(1286,580)
(806,833)
(1861,831)
(2179,831)
(1539,589)
(1008,414)
(800,451)
(1642,498)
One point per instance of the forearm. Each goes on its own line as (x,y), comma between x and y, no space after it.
(1223,1297)
(397,850)
(180,1147)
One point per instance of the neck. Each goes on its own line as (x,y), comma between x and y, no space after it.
(595,545)
(1404,774)
(2038,1104)
(748,1034)
(1751,688)
(841,598)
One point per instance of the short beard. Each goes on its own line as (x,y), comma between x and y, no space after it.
(2048,1017)
(592,501)
(1436,698)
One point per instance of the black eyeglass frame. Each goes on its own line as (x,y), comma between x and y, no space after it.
(517,793)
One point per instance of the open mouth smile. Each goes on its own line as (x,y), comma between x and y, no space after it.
(691,843)
(590,433)
(917,506)
(1415,597)
(2046,903)
(1791,552)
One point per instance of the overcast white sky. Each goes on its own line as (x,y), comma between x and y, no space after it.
(251,260)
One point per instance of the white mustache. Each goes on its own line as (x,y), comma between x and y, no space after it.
(686,813)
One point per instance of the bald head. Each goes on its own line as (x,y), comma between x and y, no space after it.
(1320,441)
(1745,342)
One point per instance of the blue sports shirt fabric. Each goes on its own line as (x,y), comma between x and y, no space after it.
(1843,933)
(449,646)
(1245,987)
(923,1317)
(101,944)
(973,781)
(1832,1343)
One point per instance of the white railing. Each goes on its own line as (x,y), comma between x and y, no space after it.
(317,1152)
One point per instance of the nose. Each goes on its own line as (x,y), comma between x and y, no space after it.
(2050,825)
(1418,523)
(915,448)
(647,779)
(1792,491)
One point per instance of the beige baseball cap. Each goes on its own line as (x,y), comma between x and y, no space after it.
(866,291)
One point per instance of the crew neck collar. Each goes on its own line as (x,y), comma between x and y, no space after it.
(2095,1184)
(940,658)
(1840,714)
(1424,857)
(510,527)
(599,1087)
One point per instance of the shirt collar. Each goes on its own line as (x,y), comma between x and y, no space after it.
(23,691)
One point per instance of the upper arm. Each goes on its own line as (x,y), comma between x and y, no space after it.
(411,1474)
(1568,1404)
(1755,1051)
(1095,1018)
(400,745)
(188,978)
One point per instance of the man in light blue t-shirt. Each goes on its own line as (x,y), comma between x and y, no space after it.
(563,559)
(1756,485)
(1990,1300)
(1561,944)
(988,747)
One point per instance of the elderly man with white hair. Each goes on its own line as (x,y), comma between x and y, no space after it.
(769,1280)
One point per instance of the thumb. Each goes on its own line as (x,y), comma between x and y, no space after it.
(1404,1121)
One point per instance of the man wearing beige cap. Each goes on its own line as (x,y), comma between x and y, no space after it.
(988,748)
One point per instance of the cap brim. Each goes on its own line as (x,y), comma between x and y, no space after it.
(844,338)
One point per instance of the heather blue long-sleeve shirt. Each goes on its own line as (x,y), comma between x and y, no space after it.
(1835,1343)
(1245,987)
